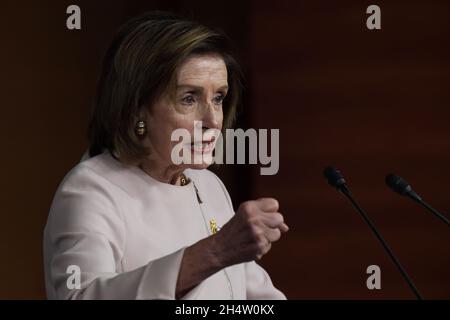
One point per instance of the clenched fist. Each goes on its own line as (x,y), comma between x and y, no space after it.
(250,233)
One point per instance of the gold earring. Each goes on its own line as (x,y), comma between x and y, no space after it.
(140,128)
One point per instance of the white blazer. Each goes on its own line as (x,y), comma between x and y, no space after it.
(126,233)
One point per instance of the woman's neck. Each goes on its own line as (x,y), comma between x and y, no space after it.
(166,174)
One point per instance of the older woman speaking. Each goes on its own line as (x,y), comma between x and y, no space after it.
(129,223)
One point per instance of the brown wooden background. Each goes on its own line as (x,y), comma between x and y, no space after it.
(369,102)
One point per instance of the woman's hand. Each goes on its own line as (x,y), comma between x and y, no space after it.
(250,233)
(247,236)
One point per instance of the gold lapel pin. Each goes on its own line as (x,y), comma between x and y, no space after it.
(213,226)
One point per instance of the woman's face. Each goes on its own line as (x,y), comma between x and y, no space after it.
(200,89)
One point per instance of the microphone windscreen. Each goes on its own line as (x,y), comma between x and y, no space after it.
(334,177)
(397,184)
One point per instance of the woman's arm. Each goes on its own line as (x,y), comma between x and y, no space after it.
(247,236)
(85,229)
(199,262)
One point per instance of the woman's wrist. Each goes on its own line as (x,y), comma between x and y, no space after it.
(200,261)
(216,252)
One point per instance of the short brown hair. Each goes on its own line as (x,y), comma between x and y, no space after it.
(141,64)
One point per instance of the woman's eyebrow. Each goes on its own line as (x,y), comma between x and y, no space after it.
(194,88)
(223,88)
(189,87)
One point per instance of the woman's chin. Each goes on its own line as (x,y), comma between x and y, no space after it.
(200,160)
(199,166)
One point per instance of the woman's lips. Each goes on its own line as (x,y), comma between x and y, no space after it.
(202,146)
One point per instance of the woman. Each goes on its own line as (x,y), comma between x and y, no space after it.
(129,223)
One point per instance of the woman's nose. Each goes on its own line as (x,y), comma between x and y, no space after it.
(211,117)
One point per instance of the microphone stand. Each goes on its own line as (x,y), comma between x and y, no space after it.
(344,190)
(431,209)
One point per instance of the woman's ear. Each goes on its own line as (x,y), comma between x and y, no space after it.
(145,114)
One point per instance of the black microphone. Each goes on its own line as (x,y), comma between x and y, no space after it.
(402,187)
(336,179)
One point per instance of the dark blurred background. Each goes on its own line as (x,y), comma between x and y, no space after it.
(368,102)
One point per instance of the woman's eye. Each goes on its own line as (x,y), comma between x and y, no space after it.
(188,100)
(219,99)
